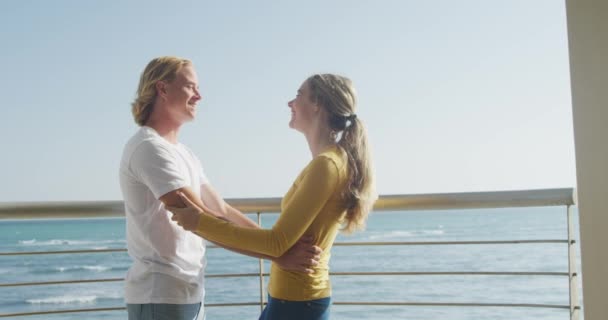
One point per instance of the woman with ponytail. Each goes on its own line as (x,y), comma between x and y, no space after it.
(334,192)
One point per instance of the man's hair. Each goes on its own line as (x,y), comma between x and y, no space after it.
(159,69)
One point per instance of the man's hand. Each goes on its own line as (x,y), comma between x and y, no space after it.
(302,257)
(187,217)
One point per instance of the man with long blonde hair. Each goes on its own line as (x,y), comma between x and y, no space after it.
(166,280)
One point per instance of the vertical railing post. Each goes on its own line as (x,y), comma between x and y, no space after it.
(572,274)
(261,267)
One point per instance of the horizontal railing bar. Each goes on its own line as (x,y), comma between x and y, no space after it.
(44,283)
(245,275)
(61,252)
(429,243)
(35,313)
(479,200)
(22,253)
(451,273)
(345,303)
(234,304)
(388,243)
(454,304)
(470,200)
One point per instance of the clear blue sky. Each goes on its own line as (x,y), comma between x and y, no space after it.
(457,95)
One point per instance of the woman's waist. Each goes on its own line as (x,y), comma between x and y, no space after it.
(319,278)
(299,286)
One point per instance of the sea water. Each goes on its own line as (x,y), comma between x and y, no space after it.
(410,226)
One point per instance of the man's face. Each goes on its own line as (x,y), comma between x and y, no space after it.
(182,95)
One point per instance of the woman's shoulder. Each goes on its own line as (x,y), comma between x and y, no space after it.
(332,159)
(336,155)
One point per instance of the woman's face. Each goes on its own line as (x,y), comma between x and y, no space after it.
(303,110)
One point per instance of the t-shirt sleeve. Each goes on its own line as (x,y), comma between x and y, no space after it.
(314,190)
(157,168)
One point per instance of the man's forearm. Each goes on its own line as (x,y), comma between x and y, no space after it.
(244,252)
(173,199)
(235,216)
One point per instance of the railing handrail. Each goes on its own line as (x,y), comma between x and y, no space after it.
(340,303)
(472,200)
(336,244)
(349,273)
(431,201)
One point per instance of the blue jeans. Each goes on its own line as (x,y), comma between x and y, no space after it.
(162,311)
(278,309)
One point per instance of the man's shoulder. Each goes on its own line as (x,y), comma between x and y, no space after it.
(143,138)
(143,145)
(187,149)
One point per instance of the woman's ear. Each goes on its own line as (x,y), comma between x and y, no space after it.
(317,108)
(321,113)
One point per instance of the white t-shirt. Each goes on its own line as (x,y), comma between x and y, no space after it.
(168,262)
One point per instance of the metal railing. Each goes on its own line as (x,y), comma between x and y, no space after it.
(499,199)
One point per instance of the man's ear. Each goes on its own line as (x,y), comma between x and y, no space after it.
(161,88)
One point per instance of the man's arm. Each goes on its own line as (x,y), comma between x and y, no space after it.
(238,218)
(173,199)
(213,199)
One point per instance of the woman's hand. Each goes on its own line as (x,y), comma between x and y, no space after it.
(187,217)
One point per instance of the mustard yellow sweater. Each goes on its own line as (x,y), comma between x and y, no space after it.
(312,206)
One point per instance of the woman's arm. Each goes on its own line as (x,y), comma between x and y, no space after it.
(310,196)
(302,257)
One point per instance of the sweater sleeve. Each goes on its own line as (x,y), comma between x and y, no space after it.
(317,185)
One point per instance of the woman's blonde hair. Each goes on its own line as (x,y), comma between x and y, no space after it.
(337,96)
(159,69)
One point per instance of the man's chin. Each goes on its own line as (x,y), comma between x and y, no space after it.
(186,119)
(191,116)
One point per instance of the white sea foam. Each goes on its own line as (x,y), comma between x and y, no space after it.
(90,268)
(97,268)
(391,234)
(433,232)
(405,234)
(64,300)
